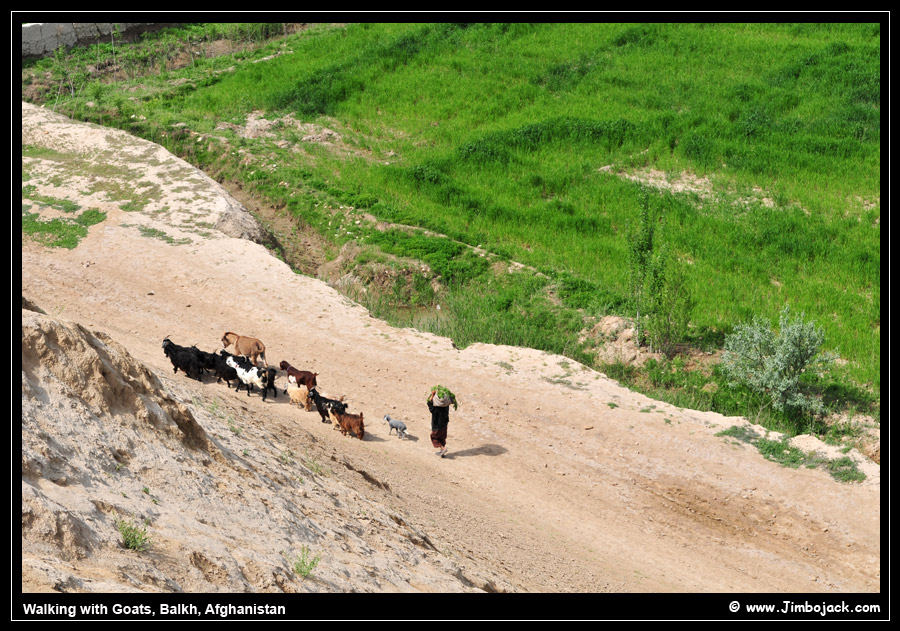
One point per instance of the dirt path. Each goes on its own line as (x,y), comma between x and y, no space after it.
(557,478)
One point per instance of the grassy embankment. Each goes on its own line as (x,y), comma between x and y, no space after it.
(518,138)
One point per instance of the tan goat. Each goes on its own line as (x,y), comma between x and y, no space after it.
(246,346)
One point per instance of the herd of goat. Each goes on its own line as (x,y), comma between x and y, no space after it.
(242,367)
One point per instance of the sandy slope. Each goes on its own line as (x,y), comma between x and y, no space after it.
(557,479)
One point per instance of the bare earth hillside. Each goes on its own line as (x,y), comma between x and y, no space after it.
(557,480)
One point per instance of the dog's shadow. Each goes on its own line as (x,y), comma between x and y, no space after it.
(408,437)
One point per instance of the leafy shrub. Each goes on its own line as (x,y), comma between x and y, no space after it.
(773,363)
(134,537)
(303,565)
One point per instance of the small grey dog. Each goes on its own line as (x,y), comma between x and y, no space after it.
(400,426)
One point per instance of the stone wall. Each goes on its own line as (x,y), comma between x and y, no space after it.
(41,39)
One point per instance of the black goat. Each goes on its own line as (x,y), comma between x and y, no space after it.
(270,381)
(222,370)
(207,360)
(182,357)
(324,404)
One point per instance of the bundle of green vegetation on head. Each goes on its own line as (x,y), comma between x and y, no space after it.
(443,397)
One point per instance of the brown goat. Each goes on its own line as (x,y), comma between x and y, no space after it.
(246,346)
(299,377)
(350,423)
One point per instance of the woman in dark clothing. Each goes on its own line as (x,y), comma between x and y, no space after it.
(440,417)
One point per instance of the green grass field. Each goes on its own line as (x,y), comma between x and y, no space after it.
(536,142)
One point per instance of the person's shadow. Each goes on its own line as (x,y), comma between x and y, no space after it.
(484,450)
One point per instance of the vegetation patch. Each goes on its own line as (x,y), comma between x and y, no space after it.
(774,364)
(155,233)
(742,433)
(845,470)
(29,191)
(841,469)
(455,263)
(134,205)
(303,564)
(60,232)
(134,536)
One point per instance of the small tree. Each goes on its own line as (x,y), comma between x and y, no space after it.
(669,304)
(659,291)
(772,363)
(640,251)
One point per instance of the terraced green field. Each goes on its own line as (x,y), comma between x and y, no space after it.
(758,146)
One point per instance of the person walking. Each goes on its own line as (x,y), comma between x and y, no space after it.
(440,418)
